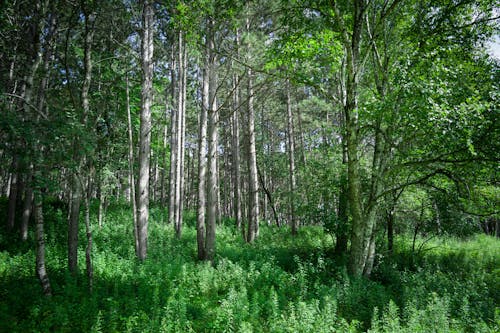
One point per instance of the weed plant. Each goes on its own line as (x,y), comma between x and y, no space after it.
(279,284)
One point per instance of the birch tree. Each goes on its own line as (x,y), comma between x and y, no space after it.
(145,128)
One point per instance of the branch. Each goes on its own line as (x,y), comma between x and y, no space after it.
(43,115)
(409,183)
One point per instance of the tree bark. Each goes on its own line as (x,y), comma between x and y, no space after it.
(28,204)
(352,43)
(253,186)
(291,161)
(173,141)
(145,128)
(236,165)
(213,137)
(88,231)
(180,129)
(41,271)
(202,161)
(390,230)
(131,178)
(79,160)
(343,219)
(11,214)
(270,198)
(253,202)
(74,217)
(163,196)
(236,146)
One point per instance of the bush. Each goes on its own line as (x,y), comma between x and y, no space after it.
(279,284)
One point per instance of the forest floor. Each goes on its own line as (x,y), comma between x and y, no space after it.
(279,284)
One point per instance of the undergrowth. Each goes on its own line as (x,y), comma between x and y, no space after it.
(279,284)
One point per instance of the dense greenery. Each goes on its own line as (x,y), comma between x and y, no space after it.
(280,284)
(265,165)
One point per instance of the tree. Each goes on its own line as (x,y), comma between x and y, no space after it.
(213,140)
(291,159)
(253,186)
(145,129)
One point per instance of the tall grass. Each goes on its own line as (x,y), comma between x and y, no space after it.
(279,284)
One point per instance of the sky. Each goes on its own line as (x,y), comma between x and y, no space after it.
(494,47)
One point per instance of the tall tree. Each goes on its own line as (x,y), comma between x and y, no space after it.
(291,160)
(202,158)
(253,186)
(145,127)
(213,140)
(131,177)
(180,129)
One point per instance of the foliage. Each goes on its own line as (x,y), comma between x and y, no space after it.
(280,284)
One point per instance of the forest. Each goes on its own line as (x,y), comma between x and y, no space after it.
(249,166)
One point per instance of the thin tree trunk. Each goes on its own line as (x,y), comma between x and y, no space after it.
(213,121)
(163,197)
(27,97)
(180,124)
(28,204)
(301,136)
(11,214)
(253,203)
(370,257)
(49,49)
(291,160)
(131,177)
(88,232)
(41,271)
(77,183)
(173,142)
(145,128)
(218,182)
(236,146)
(183,140)
(74,217)
(202,160)
(390,230)
(270,198)
(253,187)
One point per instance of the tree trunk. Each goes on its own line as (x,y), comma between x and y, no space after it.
(202,161)
(163,196)
(236,147)
(101,198)
(352,42)
(11,214)
(131,177)
(302,141)
(77,182)
(291,161)
(370,257)
(88,232)
(145,128)
(269,197)
(253,202)
(27,97)
(74,217)
(390,230)
(28,204)
(343,219)
(180,128)
(41,271)
(173,142)
(213,121)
